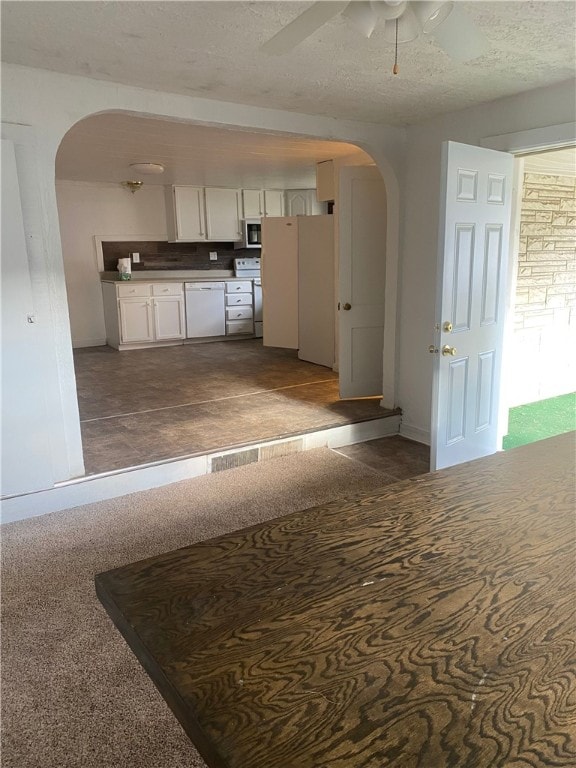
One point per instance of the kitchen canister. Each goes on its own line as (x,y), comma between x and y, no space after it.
(125,268)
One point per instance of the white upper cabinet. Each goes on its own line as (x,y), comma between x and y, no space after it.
(252,203)
(185,213)
(262,202)
(196,214)
(222,214)
(303,202)
(325,180)
(273,202)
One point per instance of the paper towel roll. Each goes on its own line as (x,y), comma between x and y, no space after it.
(125,266)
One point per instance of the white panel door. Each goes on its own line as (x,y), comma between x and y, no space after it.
(473,252)
(362,279)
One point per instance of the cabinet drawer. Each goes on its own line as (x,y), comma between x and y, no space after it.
(133,290)
(239,286)
(238,299)
(238,313)
(239,326)
(167,289)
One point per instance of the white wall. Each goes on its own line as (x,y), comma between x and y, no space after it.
(535,109)
(102,210)
(48,104)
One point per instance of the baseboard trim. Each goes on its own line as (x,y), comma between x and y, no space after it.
(415,433)
(110,485)
(80,343)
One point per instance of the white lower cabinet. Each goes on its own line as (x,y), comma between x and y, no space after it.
(169,318)
(139,314)
(143,314)
(136,322)
(239,307)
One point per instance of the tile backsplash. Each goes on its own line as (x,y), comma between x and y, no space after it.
(167,256)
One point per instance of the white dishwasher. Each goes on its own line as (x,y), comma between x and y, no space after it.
(205,310)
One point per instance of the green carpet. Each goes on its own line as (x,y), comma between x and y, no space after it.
(536,421)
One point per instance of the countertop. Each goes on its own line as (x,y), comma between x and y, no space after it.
(179,277)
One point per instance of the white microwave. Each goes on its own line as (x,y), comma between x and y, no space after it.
(251,234)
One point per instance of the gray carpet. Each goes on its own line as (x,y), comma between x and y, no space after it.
(72,692)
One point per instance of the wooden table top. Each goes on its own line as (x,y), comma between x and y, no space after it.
(429,624)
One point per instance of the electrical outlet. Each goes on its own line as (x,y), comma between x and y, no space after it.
(213,255)
(135,258)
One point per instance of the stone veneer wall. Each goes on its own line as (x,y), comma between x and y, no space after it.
(544,340)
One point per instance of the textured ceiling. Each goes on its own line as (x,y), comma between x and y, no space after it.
(211,49)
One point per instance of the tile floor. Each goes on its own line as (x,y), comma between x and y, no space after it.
(153,404)
(396,457)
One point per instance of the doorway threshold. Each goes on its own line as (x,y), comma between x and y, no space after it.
(119,482)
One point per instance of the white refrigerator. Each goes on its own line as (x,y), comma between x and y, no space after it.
(298,289)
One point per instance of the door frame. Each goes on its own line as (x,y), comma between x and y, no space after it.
(520,143)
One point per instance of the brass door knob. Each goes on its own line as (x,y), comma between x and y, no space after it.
(447,327)
(446,350)
(346,306)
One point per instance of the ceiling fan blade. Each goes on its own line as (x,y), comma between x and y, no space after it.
(363,15)
(459,37)
(302,27)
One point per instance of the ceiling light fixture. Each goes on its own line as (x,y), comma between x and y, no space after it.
(132,185)
(147,168)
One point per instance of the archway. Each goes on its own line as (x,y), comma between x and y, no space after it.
(81,276)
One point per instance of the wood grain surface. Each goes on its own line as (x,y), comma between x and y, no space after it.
(431,624)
